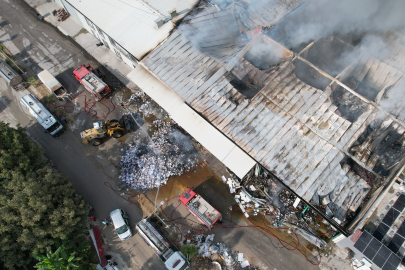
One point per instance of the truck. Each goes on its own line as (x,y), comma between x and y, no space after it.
(52,84)
(200,208)
(86,75)
(170,256)
(42,115)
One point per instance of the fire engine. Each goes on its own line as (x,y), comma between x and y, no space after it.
(86,75)
(200,208)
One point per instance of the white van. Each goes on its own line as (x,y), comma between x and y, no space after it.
(42,115)
(121,224)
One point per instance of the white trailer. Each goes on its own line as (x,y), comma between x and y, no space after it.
(42,115)
(52,84)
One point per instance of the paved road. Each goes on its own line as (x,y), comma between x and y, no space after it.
(39,46)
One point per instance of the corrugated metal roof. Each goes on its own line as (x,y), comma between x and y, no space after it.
(131,23)
(213,140)
(299,132)
(165,6)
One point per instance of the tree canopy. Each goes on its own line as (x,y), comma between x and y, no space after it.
(37,205)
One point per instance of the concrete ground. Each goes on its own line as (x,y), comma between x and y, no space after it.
(38,45)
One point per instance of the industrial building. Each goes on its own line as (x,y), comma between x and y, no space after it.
(130,29)
(318,126)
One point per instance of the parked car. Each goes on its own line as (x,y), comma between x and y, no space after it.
(120,221)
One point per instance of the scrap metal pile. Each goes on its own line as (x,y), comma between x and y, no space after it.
(287,208)
(259,192)
(148,165)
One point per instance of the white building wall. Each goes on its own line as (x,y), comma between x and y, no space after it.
(98,33)
(71,10)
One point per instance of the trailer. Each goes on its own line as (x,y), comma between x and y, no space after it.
(86,75)
(52,84)
(170,256)
(200,208)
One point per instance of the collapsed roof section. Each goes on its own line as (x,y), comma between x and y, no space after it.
(300,121)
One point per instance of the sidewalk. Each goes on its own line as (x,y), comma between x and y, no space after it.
(70,27)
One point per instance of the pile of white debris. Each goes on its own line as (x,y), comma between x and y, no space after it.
(231,260)
(169,152)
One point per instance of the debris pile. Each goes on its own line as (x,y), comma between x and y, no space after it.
(169,152)
(259,192)
(245,201)
(60,14)
(135,97)
(230,260)
(150,107)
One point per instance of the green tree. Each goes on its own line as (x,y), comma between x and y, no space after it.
(190,250)
(59,260)
(37,205)
(65,256)
(31,80)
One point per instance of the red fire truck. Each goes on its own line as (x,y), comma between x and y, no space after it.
(200,208)
(87,76)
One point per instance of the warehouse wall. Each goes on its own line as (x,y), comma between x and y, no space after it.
(99,34)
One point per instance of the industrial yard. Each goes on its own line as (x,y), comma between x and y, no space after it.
(276,142)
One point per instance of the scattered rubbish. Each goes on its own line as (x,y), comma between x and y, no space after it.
(220,253)
(169,152)
(61,14)
(258,192)
(297,201)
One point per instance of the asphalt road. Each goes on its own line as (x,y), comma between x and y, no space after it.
(39,46)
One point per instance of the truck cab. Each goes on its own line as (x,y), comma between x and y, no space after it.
(177,262)
(200,208)
(86,75)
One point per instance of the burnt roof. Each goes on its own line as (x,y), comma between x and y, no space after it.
(300,126)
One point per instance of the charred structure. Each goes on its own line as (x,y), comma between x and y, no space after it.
(315,116)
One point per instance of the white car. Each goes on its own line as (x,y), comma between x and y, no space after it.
(119,219)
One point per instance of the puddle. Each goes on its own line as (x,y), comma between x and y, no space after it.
(177,185)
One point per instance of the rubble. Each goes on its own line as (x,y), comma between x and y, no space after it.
(60,14)
(149,107)
(169,152)
(207,248)
(260,193)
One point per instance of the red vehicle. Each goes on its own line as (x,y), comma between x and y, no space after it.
(200,208)
(87,76)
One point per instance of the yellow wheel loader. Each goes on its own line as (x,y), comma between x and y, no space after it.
(100,130)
